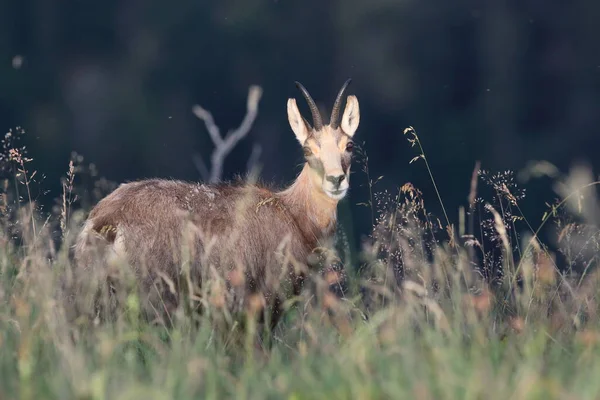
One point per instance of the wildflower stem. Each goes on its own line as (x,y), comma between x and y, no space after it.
(416,140)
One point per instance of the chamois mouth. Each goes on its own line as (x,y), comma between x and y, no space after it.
(336,194)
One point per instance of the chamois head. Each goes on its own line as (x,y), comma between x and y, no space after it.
(327,148)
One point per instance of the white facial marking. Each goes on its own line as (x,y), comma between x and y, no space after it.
(335,182)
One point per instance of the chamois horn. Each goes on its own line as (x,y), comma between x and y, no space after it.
(335,112)
(316,116)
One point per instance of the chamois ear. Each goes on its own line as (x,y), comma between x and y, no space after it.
(297,123)
(351,117)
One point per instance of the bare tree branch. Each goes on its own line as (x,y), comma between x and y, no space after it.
(201,167)
(254,156)
(223,146)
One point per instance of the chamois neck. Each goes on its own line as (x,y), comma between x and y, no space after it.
(311,206)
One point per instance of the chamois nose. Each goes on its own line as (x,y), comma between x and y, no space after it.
(336,180)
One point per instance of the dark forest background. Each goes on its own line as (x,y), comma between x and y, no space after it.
(503,82)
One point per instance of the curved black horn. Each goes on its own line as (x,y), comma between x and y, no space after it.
(335,112)
(316,116)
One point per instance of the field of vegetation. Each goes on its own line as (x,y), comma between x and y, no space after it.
(480,309)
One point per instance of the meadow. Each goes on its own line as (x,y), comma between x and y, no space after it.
(425,309)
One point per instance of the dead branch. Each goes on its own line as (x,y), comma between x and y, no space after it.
(223,146)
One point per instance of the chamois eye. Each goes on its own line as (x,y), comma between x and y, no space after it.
(307,151)
(350,146)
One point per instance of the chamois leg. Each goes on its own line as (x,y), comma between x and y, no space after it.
(268,320)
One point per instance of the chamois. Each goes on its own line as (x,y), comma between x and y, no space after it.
(257,239)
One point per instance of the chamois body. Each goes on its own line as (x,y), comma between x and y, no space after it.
(256,238)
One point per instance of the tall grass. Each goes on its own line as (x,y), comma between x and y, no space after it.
(483,310)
